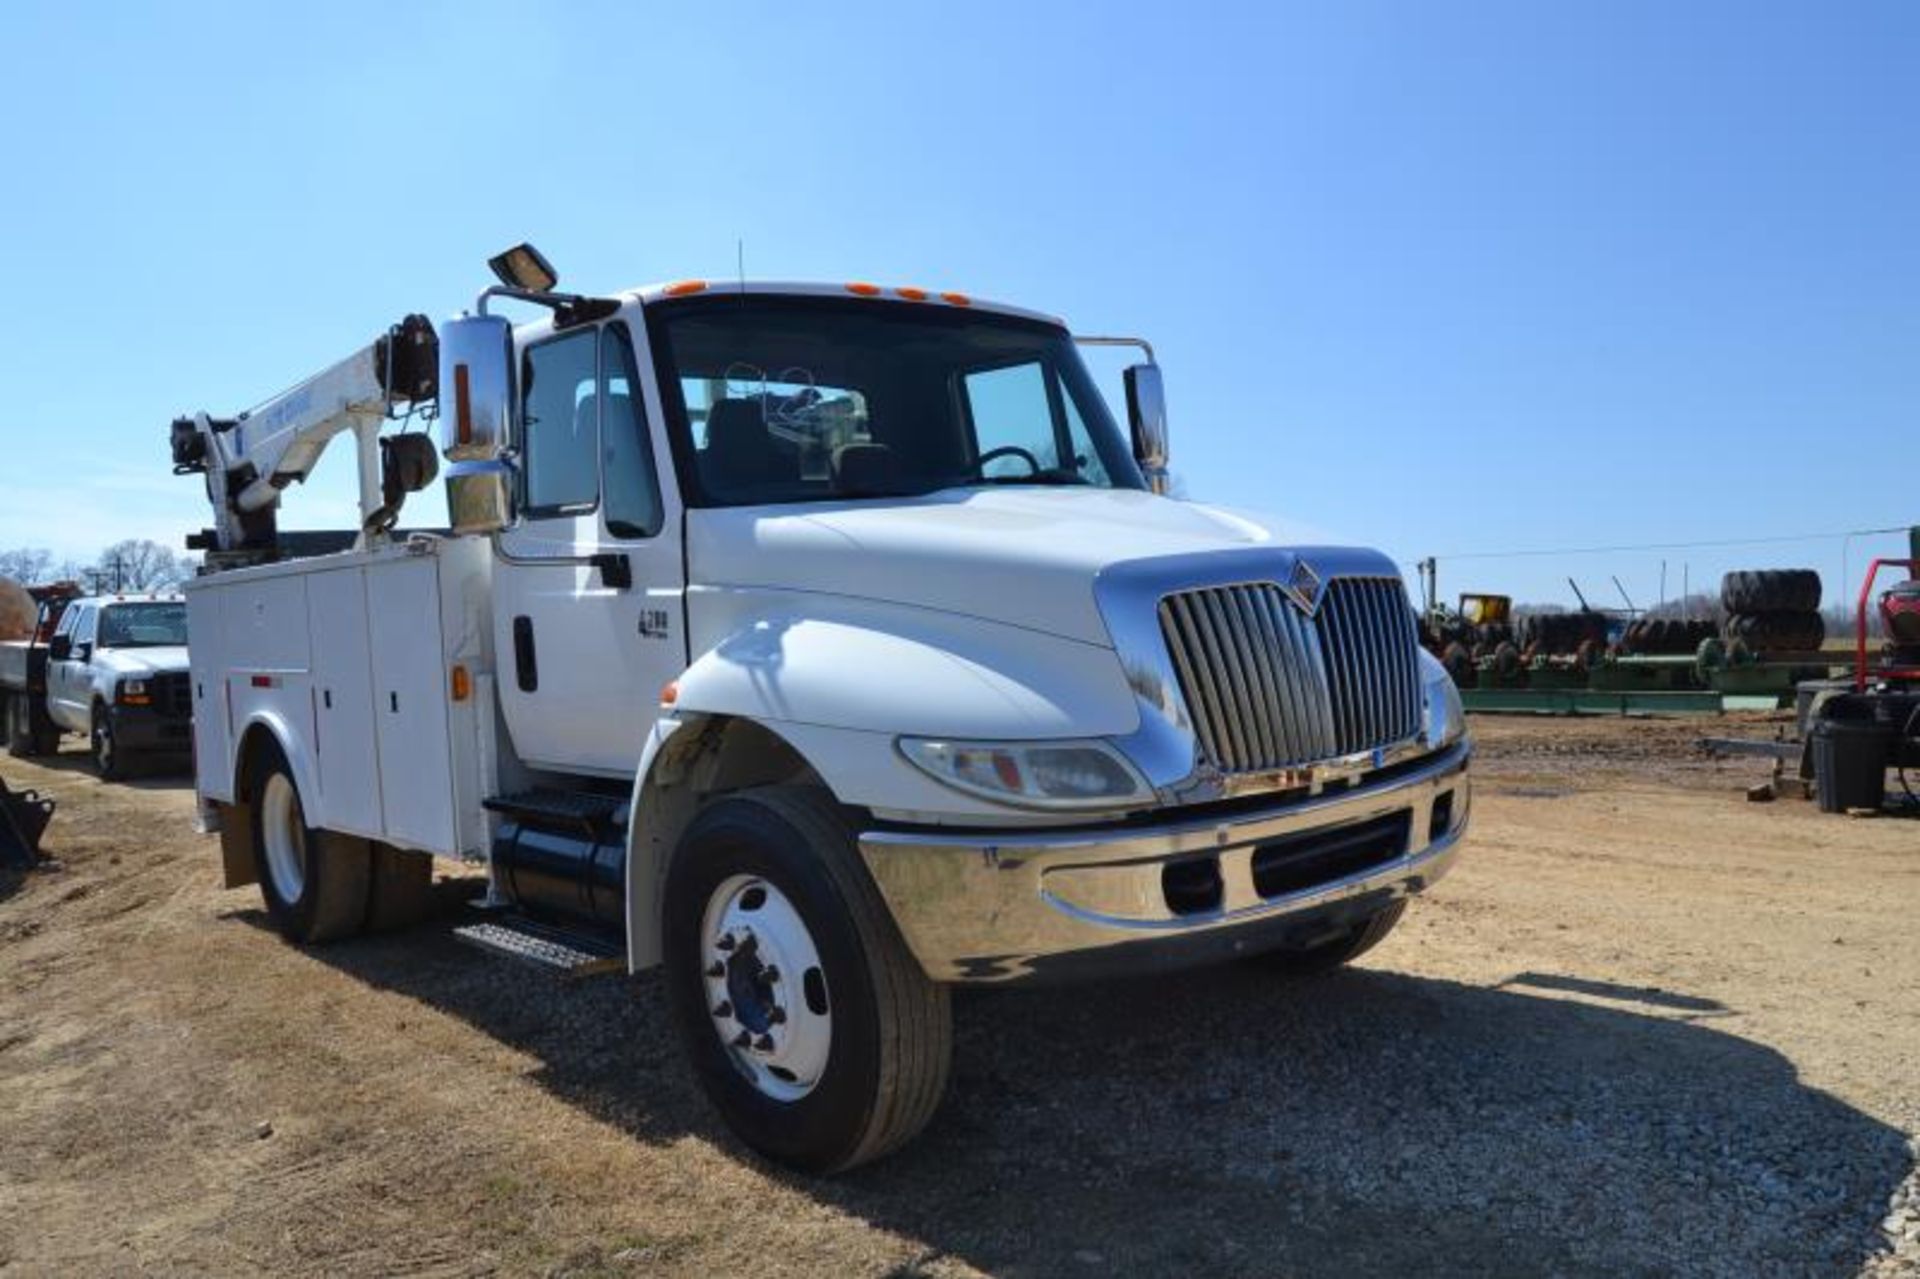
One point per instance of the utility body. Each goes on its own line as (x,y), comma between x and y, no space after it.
(831,645)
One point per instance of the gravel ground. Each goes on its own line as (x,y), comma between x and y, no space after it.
(1644,1028)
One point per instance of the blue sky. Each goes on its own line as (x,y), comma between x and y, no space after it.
(1442,278)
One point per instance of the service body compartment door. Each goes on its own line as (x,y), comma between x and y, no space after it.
(344,742)
(410,705)
(212,720)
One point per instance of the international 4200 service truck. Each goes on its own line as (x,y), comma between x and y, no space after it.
(830,646)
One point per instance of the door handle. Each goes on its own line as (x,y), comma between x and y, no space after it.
(616,570)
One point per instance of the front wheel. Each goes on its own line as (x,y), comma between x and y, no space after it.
(1325,956)
(107,762)
(813,1029)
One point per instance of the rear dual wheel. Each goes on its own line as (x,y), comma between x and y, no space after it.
(811,1026)
(16,717)
(315,883)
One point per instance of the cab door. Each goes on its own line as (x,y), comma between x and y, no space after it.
(70,680)
(589,621)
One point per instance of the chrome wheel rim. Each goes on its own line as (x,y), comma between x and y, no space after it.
(283,830)
(766,991)
(102,744)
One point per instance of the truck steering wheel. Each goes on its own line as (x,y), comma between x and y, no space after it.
(1007,450)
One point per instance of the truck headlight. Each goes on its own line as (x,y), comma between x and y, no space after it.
(1061,774)
(133,692)
(1443,717)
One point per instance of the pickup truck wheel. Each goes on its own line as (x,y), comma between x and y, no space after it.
(314,882)
(107,761)
(1324,957)
(18,722)
(812,1028)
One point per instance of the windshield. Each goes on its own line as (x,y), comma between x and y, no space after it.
(808,399)
(143,625)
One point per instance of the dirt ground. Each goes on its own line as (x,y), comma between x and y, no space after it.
(1646,1027)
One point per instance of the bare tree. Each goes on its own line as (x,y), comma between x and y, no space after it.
(1703,606)
(1843,620)
(27,565)
(139,564)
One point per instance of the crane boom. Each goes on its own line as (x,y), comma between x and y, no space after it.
(250,459)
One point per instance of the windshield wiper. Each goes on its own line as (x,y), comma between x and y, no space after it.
(1053,476)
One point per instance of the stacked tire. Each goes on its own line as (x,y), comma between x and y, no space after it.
(1562,633)
(1774,610)
(1667,636)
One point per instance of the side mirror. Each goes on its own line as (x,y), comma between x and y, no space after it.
(476,415)
(476,387)
(1147,421)
(480,496)
(60,648)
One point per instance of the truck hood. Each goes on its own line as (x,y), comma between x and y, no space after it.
(159,659)
(1025,556)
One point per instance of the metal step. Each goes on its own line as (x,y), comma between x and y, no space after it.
(563,950)
(591,813)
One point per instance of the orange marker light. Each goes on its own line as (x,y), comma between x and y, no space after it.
(912,294)
(680,288)
(864,289)
(462,683)
(462,405)
(670,692)
(957,299)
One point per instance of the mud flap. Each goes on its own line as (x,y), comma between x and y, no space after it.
(237,865)
(402,889)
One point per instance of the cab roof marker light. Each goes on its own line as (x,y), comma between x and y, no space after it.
(912,294)
(681,288)
(863,289)
(956,299)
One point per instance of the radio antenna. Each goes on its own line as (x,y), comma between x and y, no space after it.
(740,263)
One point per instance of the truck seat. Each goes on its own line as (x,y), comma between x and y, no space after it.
(739,452)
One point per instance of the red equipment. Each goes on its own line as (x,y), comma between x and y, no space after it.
(1899,614)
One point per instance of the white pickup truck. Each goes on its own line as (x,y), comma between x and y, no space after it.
(831,645)
(113,668)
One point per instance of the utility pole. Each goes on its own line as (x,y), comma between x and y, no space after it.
(1429,585)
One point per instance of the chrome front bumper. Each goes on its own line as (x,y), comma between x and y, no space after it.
(1013,907)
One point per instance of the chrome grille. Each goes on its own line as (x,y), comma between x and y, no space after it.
(1267,687)
(172,696)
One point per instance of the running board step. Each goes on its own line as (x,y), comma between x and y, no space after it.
(594,815)
(564,950)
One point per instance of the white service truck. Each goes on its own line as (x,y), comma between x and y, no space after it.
(830,645)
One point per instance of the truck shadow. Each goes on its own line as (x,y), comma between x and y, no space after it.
(1230,1122)
(159,772)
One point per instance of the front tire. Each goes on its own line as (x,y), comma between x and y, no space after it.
(811,1026)
(1323,957)
(107,760)
(314,882)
